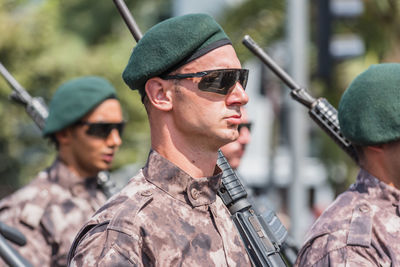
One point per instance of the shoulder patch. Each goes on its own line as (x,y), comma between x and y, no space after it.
(81,235)
(360,231)
(31,215)
(32,212)
(123,221)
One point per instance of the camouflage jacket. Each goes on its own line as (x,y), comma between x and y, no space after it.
(49,212)
(163,217)
(360,228)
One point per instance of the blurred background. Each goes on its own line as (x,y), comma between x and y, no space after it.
(290,166)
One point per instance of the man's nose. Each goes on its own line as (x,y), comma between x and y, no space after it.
(114,139)
(244,136)
(237,96)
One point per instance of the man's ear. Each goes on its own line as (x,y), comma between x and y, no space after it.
(63,136)
(159,93)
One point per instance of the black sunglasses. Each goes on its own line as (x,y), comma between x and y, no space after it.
(102,129)
(245,125)
(216,81)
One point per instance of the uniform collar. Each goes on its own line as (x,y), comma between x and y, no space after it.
(376,188)
(78,186)
(180,185)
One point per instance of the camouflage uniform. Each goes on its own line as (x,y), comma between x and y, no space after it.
(361,228)
(49,212)
(163,217)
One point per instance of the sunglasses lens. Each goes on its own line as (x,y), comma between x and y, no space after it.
(120,128)
(244,74)
(99,130)
(103,130)
(221,81)
(212,82)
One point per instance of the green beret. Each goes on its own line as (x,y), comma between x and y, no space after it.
(171,44)
(74,99)
(369,110)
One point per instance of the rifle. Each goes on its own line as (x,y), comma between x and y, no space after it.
(320,110)
(38,111)
(12,234)
(262,238)
(8,253)
(34,106)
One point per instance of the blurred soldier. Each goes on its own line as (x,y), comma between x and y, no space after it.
(362,226)
(169,214)
(234,151)
(85,123)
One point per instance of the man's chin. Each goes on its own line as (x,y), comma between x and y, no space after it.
(231,138)
(103,166)
(235,163)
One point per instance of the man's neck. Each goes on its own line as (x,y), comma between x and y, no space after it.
(195,161)
(70,164)
(382,173)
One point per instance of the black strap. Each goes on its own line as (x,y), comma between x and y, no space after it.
(80,236)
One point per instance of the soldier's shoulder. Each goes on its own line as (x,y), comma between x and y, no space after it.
(319,246)
(29,203)
(124,206)
(347,222)
(28,192)
(116,215)
(340,214)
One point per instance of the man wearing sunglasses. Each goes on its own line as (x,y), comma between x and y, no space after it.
(192,86)
(85,123)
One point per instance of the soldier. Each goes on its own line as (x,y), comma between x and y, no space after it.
(234,151)
(85,123)
(362,226)
(169,214)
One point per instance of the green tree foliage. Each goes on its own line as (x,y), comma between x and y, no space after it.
(44,43)
(379,27)
(262,20)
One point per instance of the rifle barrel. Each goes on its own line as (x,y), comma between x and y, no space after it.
(129,20)
(323,113)
(12,234)
(297,91)
(22,94)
